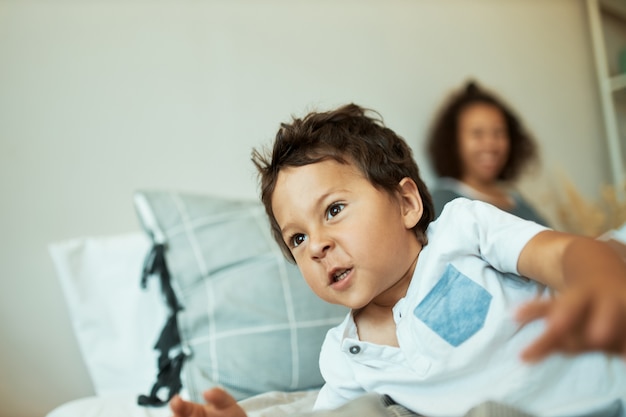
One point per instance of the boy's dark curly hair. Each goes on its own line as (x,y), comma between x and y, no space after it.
(347,135)
(442,142)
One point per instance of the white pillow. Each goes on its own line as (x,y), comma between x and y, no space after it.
(115,321)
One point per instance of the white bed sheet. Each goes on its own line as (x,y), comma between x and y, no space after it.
(269,404)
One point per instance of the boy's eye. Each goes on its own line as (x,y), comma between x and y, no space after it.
(333,210)
(297,239)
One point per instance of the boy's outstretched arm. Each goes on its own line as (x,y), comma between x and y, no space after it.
(218,404)
(589,309)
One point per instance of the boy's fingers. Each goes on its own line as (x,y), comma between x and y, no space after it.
(181,408)
(175,404)
(540,348)
(219,398)
(543,345)
(601,334)
(564,324)
(532,311)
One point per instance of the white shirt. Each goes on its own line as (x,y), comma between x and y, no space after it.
(459,344)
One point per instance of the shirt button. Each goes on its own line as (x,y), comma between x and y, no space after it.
(355,349)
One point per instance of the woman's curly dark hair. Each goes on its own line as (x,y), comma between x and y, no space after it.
(347,135)
(443,145)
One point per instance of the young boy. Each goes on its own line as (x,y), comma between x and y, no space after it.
(444,315)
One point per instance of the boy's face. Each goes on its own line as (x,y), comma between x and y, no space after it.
(353,243)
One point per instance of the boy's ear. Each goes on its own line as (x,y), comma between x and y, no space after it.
(410,202)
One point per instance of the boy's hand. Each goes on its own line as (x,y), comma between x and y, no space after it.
(218,404)
(590,317)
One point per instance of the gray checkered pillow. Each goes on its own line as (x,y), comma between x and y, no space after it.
(248,322)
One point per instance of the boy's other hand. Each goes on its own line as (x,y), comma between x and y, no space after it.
(582,318)
(218,404)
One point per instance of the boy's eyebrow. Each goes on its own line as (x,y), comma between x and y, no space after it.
(282,229)
(318,202)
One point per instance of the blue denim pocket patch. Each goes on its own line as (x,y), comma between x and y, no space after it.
(455,308)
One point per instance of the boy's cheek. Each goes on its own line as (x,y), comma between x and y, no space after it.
(312,282)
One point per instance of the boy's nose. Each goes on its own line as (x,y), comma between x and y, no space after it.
(319,247)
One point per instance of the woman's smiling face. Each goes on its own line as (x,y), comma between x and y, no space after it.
(353,242)
(483,143)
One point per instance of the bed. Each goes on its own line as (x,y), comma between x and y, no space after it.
(201,297)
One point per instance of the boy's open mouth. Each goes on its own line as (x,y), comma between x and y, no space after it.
(340,275)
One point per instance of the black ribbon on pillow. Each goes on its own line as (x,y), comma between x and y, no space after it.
(171,357)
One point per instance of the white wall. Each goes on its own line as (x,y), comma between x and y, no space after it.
(100,98)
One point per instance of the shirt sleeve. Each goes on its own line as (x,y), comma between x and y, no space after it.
(495,235)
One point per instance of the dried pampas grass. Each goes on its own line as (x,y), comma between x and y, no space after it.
(591,218)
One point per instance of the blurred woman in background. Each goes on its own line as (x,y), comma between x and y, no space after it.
(479,147)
